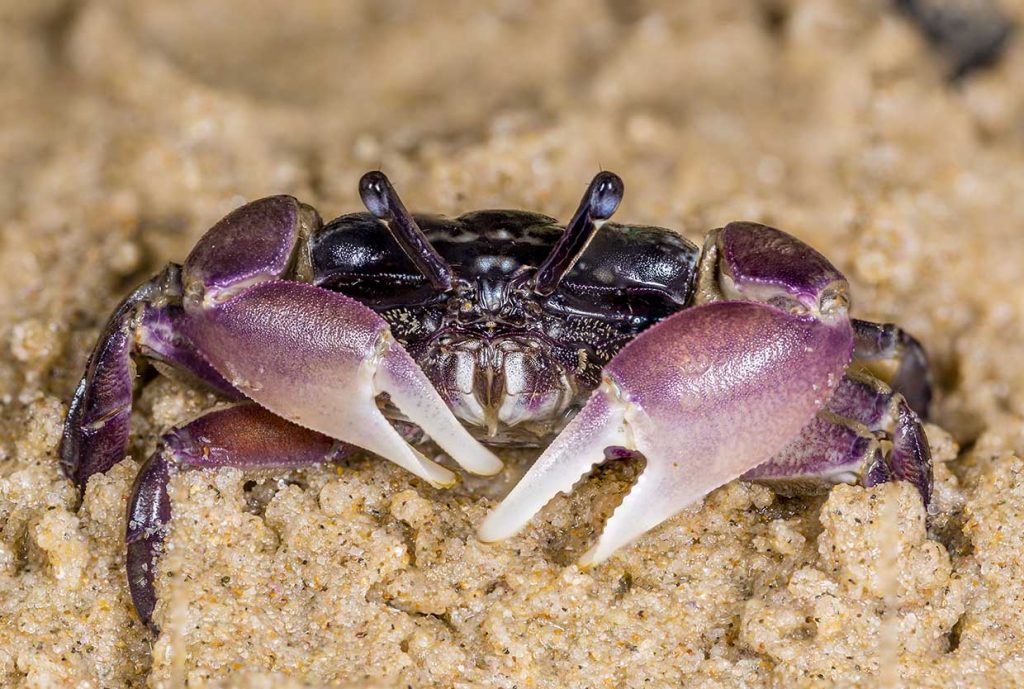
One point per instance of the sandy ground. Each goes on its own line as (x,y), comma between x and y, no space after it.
(127,128)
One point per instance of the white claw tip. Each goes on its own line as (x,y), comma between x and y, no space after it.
(593,557)
(496,527)
(444,485)
(482,461)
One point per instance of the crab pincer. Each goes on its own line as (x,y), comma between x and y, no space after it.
(709,393)
(312,356)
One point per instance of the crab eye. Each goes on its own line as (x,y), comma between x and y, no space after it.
(605,195)
(833,299)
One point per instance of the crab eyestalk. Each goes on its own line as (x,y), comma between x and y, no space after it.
(599,204)
(381,199)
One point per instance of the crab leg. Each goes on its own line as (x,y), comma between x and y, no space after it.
(888,415)
(145,326)
(829,450)
(892,354)
(243,436)
(843,443)
(707,394)
(315,357)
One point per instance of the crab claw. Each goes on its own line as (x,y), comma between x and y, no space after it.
(710,392)
(706,395)
(314,357)
(319,359)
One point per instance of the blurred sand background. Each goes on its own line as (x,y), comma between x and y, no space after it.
(128,128)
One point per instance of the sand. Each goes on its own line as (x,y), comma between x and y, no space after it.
(127,128)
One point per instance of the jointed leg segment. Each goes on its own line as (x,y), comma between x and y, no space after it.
(145,327)
(891,354)
(244,436)
(867,433)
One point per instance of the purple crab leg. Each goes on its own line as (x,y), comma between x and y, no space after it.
(707,394)
(145,326)
(843,443)
(828,450)
(892,354)
(885,412)
(315,357)
(242,436)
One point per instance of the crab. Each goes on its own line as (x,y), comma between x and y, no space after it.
(377,330)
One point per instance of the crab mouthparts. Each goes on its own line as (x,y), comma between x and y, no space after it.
(489,391)
(495,385)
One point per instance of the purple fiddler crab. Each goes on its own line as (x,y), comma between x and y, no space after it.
(593,340)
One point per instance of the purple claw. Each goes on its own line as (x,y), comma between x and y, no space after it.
(243,436)
(709,393)
(312,356)
(320,359)
(705,396)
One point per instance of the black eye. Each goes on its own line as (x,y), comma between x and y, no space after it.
(605,195)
